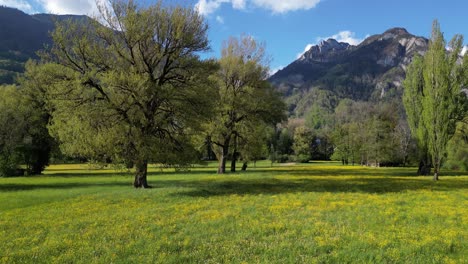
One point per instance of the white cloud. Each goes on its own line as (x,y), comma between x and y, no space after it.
(220,19)
(342,36)
(206,7)
(19,4)
(69,7)
(282,6)
(307,47)
(275,70)
(464,50)
(238,4)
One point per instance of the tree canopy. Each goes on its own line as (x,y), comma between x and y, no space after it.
(433,98)
(244,98)
(131,89)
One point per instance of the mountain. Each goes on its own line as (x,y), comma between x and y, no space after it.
(21,36)
(372,70)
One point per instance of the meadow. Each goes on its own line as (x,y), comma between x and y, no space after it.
(312,213)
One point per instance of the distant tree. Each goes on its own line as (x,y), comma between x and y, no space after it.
(320,118)
(284,144)
(342,134)
(128,91)
(380,140)
(302,146)
(322,146)
(366,132)
(405,142)
(436,81)
(244,98)
(341,138)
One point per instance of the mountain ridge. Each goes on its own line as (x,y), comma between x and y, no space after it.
(371,70)
(22,35)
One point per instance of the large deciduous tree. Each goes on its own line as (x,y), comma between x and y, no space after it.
(433,97)
(127,85)
(244,100)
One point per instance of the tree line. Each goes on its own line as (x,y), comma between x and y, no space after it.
(130,88)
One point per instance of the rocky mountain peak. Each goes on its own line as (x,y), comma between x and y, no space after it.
(325,51)
(397,31)
(372,70)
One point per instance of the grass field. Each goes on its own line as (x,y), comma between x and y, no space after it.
(314,213)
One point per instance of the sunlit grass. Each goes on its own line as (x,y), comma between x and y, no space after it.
(314,213)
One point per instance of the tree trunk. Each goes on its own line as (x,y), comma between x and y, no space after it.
(244,166)
(436,170)
(140,175)
(234,155)
(233,163)
(222,163)
(223,158)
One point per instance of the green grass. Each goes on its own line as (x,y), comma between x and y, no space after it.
(314,213)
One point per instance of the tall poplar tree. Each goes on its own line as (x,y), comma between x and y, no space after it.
(412,100)
(437,79)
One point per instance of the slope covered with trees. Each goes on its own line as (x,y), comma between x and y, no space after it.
(23,35)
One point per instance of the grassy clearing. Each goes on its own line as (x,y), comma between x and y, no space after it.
(315,213)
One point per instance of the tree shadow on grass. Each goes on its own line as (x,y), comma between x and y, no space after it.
(262,181)
(13,187)
(325,184)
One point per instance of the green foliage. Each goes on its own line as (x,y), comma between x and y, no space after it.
(457,149)
(320,114)
(302,144)
(433,95)
(312,213)
(279,144)
(369,134)
(244,102)
(285,142)
(11,131)
(129,91)
(24,139)
(412,100)
(253,145)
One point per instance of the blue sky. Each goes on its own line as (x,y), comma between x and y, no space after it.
(288,26)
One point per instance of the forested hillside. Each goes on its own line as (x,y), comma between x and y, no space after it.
(22,35)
